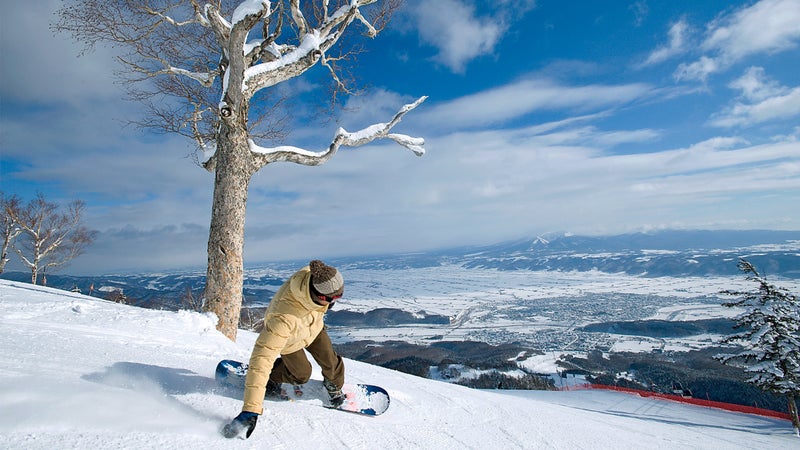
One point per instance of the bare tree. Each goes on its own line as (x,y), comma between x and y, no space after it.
(49,238)
(8,208)
(204,71)
(117,295)
(191,301)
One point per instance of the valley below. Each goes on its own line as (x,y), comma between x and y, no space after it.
(552,311)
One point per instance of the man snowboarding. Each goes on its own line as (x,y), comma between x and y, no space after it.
(293,322)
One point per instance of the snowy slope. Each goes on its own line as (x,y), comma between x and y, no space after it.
(78,372)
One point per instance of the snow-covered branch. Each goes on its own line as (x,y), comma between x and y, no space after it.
(343,138)
(251,8)
(204,78)
(221,27)
(170,20)
(289,62)
(289,65)
(298,18)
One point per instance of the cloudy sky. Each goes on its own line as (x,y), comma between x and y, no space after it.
(592,118)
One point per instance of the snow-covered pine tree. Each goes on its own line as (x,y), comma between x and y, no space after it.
(769,338)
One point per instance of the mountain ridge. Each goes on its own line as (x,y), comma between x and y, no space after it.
(663,253)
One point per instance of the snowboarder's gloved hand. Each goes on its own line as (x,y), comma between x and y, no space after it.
(244,421)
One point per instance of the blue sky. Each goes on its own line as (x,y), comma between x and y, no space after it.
(543,116)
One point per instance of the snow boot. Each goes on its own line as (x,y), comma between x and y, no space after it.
(334,392)
(274,391)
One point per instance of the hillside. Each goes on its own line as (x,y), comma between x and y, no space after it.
(79,372)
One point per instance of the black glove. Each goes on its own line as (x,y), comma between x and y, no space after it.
(244,421)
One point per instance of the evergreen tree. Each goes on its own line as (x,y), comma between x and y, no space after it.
(770,338)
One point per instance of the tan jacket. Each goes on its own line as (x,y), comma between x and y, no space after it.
(291,323)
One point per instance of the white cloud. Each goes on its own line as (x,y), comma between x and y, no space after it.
(551,181)
(742,114)
(698,70)
(767,27)
(46,68)
(542,177)
(675,46)
(498,105)
(145,249)
(761,100)
(451,26)
(459,35)
(612,139)
(755,85)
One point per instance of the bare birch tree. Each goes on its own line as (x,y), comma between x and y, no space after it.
(49,238)
(204,71)
(8,208)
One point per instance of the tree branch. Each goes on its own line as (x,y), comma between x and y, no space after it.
(183,50)
(313,44)
(298,155)
(298,17)
(170,20)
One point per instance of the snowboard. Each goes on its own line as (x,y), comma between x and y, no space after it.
(364,399)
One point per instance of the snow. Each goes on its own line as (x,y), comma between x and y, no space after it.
(255,148)
(79,372)
(249,8)
(309,42)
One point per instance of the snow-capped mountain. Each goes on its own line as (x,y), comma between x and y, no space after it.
(666,253)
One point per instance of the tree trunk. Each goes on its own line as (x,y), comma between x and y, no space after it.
(35,267)
(224,279)
(793,414)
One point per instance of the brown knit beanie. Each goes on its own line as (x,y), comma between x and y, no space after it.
(326,279)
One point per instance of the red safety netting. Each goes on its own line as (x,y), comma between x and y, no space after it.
(690,400)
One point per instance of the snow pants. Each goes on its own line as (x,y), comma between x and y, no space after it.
(294,368)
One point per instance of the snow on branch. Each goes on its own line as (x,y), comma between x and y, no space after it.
(204,78)
(298,18)
(221,27)
(271,73)
(197,19)
(289,61)
(344,138)
(251,8)
(371,31)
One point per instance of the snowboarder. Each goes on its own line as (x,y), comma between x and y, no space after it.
(293,323)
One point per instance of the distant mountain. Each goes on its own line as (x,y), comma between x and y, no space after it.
(664,253)
(167,291)
(669,253)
